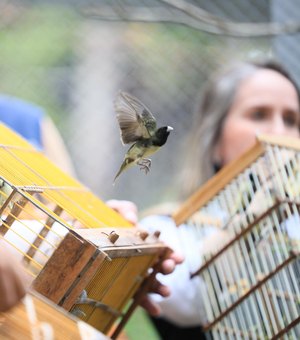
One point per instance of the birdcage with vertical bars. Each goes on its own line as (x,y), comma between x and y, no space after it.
(251,260)
(81,254)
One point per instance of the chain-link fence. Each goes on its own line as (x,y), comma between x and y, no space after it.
(72,58)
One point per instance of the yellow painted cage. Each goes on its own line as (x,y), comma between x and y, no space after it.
(251,260)
(81,254)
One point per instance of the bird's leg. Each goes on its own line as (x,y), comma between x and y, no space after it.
(145,164)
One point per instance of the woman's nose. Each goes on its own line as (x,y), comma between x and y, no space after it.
(277,126)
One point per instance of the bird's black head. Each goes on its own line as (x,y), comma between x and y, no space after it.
(162,135)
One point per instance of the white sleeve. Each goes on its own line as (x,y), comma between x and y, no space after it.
(184,306)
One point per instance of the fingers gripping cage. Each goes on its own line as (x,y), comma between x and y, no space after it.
(251,258)
(80,254)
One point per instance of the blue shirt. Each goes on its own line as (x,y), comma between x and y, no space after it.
(22,117)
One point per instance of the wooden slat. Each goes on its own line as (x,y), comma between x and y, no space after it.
(85,278)
(64,266)
(217,183)
(42,234)
(281,141)
(37,318)
(15,211)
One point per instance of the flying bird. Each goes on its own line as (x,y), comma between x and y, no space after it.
(138,126)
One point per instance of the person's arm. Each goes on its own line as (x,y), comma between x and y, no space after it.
(13,279)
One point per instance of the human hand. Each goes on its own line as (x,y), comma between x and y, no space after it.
(168,265)
(13,280)
(126,208)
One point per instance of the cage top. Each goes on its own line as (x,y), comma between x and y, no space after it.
(214,185)
(26,170)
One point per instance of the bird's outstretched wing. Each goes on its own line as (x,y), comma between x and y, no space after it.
(135,120)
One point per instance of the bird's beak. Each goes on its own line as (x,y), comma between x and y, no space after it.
(169,128)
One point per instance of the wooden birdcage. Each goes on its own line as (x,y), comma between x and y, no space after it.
(81,254)
(251,260)
(37,318)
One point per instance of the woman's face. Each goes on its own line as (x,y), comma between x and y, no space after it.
(266,103)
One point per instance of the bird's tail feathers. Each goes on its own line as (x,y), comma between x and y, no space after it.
(125,165)
(117,175)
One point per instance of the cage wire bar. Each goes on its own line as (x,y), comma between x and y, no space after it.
(80,253)
(252,277)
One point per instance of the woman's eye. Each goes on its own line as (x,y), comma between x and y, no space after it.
(258,115)
(291,119)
